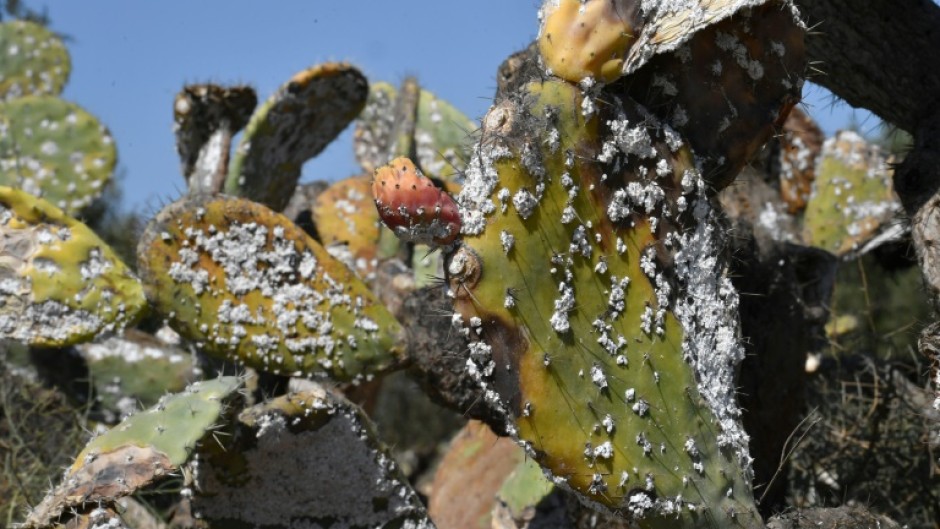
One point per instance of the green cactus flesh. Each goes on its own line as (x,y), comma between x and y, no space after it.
(292,126)
(564,276)
(135,369)
(142,448)
(306,459)
(245,283)
(61,284)
(442,135)
(33,60)
(852,200)
(54,149)
(346,219)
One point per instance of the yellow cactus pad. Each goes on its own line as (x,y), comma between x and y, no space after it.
(59,283)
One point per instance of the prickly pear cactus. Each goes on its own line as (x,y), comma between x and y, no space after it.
(440,134)
(604,39)
(347,220)
(729,88)
(144,447)
(205,117)
(853,201)
(245,283)
(54,149)
(412,206)
(61,284)
(800,146)
(135,370)
(292,126)
(312,438)
(33,60)
(619,379)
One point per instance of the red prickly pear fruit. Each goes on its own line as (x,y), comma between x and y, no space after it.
(413,207)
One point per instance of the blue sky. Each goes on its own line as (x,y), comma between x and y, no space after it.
(130,58)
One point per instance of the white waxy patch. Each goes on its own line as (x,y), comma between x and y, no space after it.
(524,202)
(604,451)
(598,377)
(641,407)
(563,305)
(507,240)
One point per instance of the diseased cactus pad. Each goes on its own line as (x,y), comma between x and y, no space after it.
(592,369)
(852,199)
(305,459)
(247,284)
(345,215)
(143,448)
(33,60)
(59,283)
(54,149)
(292,126)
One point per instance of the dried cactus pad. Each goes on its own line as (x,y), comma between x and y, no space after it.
(345,215)
(55,150)
(247,284)
(563,274)
(292,126)
(33,60)
(442,136)
(200,110)
(60,283)
(412,206)
(604,39)
(141,449)
(305,459)
(852,201)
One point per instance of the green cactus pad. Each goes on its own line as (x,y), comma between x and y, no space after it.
(33,60)
(306,459)
(852,200)
(135,370)
(345,215)
(143,448)
(61,284)
(205,117)
(564,276)
(291,127)
(246,284)
(442,134)
(55,150)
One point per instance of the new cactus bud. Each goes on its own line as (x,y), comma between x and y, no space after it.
(588,39)
(412,206)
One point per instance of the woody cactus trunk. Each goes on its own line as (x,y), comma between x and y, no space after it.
(589,271)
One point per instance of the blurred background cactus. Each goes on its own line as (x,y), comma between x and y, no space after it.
(642,215)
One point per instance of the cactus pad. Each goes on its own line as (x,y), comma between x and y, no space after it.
(33,60)
(291,127)
(345,214)
(604,39)
(306,459)
(143,448)
(441,135)
(135,369)
(245,283)
(729,89)
(594,370)
(205,117)
(61,283)
(852,200)
(800,146)
(54,149)
(412,206)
